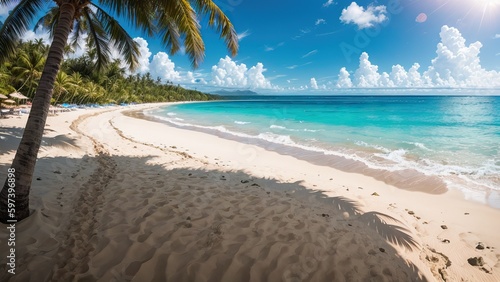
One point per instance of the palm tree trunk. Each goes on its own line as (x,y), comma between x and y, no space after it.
(26,155)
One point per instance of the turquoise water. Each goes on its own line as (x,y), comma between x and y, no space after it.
(454,138)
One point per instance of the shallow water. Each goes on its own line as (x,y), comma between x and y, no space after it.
(451,139)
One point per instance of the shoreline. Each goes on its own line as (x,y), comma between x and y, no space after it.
(133,176)
(407,179)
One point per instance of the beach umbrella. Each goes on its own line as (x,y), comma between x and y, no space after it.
(9,101)
(18,95)
(3,96)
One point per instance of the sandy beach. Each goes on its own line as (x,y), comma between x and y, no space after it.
(120,198)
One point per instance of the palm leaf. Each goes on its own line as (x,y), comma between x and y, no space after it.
(140,13)
(185,17)
(97,38)
(49,21)
(171,35)
(222,23)
(127,47)
(16,25)
(78,31)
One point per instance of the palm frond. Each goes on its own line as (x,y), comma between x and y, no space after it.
(185,17)
(140,13)
(49,21)
(171,36)
(97,37)
(119,37)
(16,25)
(78,30)
(222,23)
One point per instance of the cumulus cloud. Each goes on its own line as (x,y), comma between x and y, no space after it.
(344,80)
(496,36)
(40,33)
(228,73)
(161,66)
(314,83)
(144,57)
(192,77)
(456,65)
(363,18)
(367,74)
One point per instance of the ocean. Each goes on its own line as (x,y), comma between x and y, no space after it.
(452,139)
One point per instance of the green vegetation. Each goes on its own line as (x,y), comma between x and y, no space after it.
(77,82)
(174,22)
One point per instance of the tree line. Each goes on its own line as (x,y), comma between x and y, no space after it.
(78,82)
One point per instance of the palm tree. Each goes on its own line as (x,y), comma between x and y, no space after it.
(29,66)
(173,21)
(62,86)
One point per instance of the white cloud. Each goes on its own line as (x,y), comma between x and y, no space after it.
(310,53)
(399,77)
(367,74)
(314,83)
(244,34)
(456,65)
(496,36)
(144,57)
(256,78)
(161,66)
(362,17)
(328,3)
(40,33)
(272,48)
(414,77)
(228,73)
(320,21)
(344,80)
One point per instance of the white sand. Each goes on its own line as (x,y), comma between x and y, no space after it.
(125,199)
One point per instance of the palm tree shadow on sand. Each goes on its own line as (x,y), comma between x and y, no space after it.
(249,228)
(10,138)
(395,234)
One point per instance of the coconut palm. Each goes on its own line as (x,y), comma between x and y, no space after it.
(28,67)
(173,21)
(62,86)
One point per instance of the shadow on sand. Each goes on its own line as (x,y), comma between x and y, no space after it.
(11,136)
(114,217)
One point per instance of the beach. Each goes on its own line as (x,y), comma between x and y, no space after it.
(117,197)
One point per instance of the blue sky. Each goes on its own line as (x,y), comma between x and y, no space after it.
(286,44)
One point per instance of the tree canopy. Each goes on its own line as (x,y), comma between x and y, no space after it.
(77,82)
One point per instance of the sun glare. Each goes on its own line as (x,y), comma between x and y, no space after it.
(483,12)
